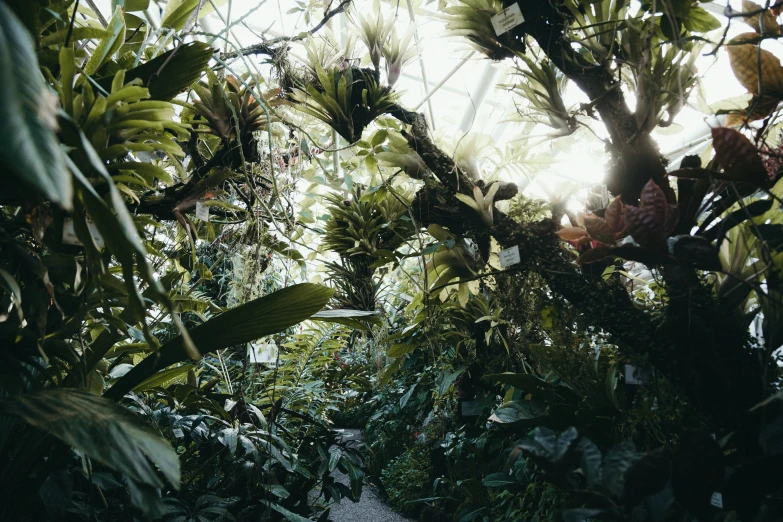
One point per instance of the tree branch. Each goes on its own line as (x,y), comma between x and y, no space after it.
(275,46)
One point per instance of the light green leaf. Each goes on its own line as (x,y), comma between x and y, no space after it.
(165,378)
(78,33)
(110,44)
(177,12)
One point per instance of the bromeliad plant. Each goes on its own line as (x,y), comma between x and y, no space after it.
(345,99)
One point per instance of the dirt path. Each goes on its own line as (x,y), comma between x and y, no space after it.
(370,508)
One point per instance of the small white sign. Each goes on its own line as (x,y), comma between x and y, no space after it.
(178,433)
(507,19)
(70,237)
(262,353)
(510,256)
(202,211)
(634,375)
(717,500)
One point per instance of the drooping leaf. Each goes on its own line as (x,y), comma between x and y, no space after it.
(771,234)
(164,378)
(572,233)
(615,218)
(744,60)
(595,254)
(100,428)
(110,44)
(266,315)
(591,462)
(519,410)
(616,463)
(78,33)
(749,211)
(766,17)
(581,514)
(759,107)
(170,73)
(696,250)
(353,318)
(738,157)
(537,388)
(30,150)
(178,12)
(599,230)
(498,480)
(113,221)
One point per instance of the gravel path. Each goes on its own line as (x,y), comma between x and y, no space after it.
(370,508)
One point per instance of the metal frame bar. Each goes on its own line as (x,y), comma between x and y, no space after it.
(421,63)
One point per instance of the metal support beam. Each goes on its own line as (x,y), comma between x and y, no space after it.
(443,81)
(483,85)
(421,63)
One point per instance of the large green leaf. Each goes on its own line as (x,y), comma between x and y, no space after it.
(266,315)
(171,72)
(100,428)
(30,149)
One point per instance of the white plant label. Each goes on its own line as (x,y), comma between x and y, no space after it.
(202,211)
(634,376)
(70,237)
(178,433)
(507,19)
(510,256)
(717,500)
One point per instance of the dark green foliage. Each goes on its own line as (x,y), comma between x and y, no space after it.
(406,478)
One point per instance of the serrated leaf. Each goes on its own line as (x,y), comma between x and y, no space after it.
(30,151)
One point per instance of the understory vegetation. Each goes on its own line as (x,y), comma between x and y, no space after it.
(215,254)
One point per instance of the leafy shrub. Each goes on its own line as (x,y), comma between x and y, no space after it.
(406,477)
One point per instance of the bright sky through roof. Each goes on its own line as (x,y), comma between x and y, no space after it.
(468,97)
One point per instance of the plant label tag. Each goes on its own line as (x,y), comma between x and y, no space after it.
(717,500)
(634,375)
(510,256)
(70,237)
(202,211)
(507,19)
(96,236)
(69,233)
(178,433)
